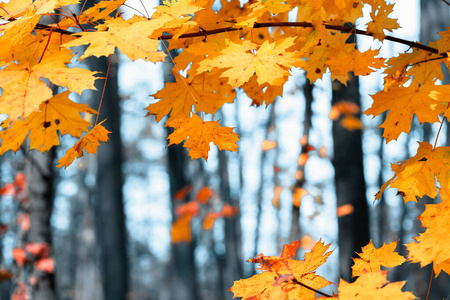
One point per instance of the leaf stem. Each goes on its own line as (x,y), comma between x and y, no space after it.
(104,88)
(46,45)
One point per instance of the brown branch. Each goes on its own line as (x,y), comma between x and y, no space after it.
(306,25)
(202,33)
(446,2)
(310,288)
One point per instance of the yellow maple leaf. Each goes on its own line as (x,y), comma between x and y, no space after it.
(282,274)
(199,134)
(100,11)
(403,102)
(416,177)
(23,89)
(371,258)
(56,114)
(125,35)
(340,58)
(432,245)
(207,92)
(250,287)
(381,21)
(270,62)
(372,285)
(260,94)
(422,66)
(259,8)
(89,143)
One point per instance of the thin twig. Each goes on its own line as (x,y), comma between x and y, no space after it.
(310,288)
(446,2)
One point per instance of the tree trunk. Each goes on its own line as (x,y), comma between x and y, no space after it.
(295,232)
(40,173)
(110,216)
(349,181)
(182,264)
(183,270)
(232,260)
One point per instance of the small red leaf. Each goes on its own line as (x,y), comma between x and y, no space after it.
(45,264)
(38,249)
(19,256)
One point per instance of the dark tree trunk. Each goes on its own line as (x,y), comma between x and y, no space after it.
(110,217)
(349,181)
(183,272)
(295,232)
(40,173)
(232,260)
(182,264)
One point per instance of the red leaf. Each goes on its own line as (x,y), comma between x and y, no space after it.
(181,194)
(204,194)
(229,211)
(38,249)
(19,256)
(45,264)
(20,181)
(187,208)
(8,190)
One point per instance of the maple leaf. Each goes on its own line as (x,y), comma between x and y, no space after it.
(371,258)
(416,177)
(100,11)
(373,285)
(381,21)
(271,62)
(250,287)
(89,143)
(340,57)
(204,194)
(430,246)
(423,66)
(198,134)
(24,91)
(261,93)
(207,92)
(403,102)
(181,229)
(125,35)
(285,277)
(56,114)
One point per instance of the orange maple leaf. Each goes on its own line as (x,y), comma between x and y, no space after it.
(282,274)
(56,114)
(381,21)
(198,134)
(207,92)
(181,229)
(432,245)
(89,143)
(417,176)
(270,62)
(403,102)
(371,258)
(125,35)
(372,285)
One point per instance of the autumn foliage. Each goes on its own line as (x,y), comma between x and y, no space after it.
(252,47)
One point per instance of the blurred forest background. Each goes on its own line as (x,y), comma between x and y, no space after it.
(299,174)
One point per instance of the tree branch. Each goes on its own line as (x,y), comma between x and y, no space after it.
(310,288)
(203,33)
